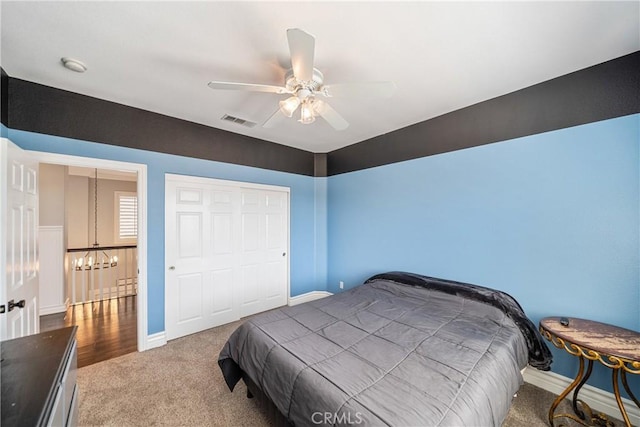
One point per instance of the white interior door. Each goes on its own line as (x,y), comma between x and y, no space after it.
(220,246)
(19,259)
(263,253)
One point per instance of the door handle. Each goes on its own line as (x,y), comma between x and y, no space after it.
(172,268)
(19,304)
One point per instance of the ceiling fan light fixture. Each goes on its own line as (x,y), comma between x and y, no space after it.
(306,114)
(305,82)
(289,106)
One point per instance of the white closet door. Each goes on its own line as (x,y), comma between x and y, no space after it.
(275,263)
(199,253)
(220,245)
(264,243)
(251,252)
(223,214)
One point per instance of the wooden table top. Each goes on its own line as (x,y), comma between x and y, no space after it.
(605,339)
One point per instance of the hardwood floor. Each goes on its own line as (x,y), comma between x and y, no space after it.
(106,329)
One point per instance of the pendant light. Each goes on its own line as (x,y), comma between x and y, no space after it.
(88,263)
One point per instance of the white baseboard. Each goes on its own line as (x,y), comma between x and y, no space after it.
(309,296)
(52,309)
(159,339)
(599,400)
(156,340)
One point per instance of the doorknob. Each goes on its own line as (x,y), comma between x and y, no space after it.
(172,268)
(19,304)
(284,253)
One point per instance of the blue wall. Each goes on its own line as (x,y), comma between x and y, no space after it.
(304,206)
(552,219)
(321,188)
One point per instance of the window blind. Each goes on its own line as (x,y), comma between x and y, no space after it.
(128,216)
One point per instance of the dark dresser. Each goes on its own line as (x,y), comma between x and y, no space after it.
(38,376)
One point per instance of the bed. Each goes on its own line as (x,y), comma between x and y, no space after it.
(400,349)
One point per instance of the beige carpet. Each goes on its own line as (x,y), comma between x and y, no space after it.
(180,384)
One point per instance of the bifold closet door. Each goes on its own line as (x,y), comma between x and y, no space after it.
(263,252)
(221,242)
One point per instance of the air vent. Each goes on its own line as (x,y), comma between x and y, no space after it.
(238,120)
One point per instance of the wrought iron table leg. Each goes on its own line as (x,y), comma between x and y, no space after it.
(616,393)
(623,375)
(578,411)
(564,394)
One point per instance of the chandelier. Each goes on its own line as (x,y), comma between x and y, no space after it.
(96,264)
(104,261)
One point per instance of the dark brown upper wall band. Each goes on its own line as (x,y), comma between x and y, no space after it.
(43,109)
(604,91)
(4,97)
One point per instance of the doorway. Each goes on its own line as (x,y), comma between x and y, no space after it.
(134,308)
(90,214)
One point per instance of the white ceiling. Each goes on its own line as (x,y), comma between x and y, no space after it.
(443,56)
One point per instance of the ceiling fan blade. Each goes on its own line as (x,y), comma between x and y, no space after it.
(366,90)
(248,87)
(301,47)
(330,115)
(273,120)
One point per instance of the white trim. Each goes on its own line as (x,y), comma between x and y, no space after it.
(52,309)
(598,399)
(51,227)
(51,260)
(141,171)
(309,296)
(156,340)
(216,181)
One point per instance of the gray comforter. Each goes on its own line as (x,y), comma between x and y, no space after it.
(383,353)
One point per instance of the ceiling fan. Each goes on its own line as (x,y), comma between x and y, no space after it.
(304,83)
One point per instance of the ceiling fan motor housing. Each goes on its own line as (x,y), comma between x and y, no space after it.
(302,88)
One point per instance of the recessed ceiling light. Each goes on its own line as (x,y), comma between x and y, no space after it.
(73,65)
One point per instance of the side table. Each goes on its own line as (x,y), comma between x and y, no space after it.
(614,347)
